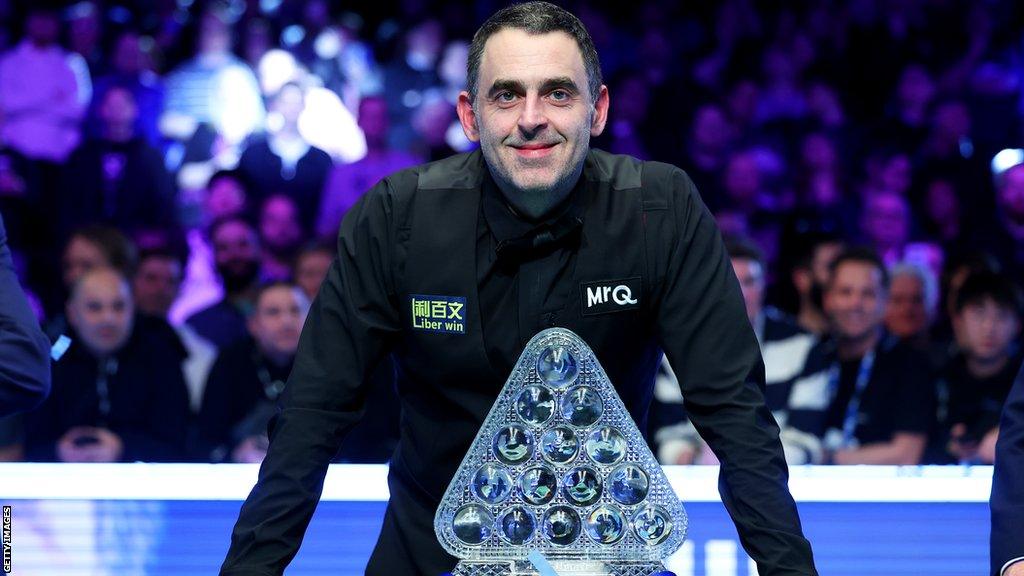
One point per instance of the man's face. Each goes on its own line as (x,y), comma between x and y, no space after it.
(42,28)
(118,108)
(311,270)
(906,314)
(156,285)
(751,278)
(277,320)
(80,257)
(237,254)
(533,116)
(101,311)
(885,220)
(279,226)
(986,329)
(225,197)
(855,300)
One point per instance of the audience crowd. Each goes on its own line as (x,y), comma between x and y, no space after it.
(173,174)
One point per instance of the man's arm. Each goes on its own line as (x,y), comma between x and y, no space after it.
(905,449)
(349,329)
(1007,501)
(24,349)
(704,330)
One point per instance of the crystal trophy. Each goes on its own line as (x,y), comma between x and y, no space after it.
(559,479)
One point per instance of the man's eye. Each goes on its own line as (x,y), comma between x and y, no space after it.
(559,95)
(506,96)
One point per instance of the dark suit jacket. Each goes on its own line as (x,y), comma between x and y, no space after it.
(1008,482)
(24,349)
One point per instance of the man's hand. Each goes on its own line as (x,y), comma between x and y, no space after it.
(987,447)
(252,450)
(963,451)
(89,444)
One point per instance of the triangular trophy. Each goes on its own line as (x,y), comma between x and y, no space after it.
(559,477)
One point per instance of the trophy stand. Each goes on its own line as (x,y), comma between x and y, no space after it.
(559,480)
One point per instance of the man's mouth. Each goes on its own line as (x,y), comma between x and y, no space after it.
(534,150)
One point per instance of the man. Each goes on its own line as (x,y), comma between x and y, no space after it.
(248,377)
(116,179)
(280,236)
(881,392)
(787,351)
(311,266)
(24,349)
(236,253)
(118,393)
(810,274)
(913,299)
(980,376)
(1007,501)
(515,232)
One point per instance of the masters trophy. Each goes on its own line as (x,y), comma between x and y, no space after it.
(559,480)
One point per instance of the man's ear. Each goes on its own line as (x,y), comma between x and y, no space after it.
(600,112)
(467,116)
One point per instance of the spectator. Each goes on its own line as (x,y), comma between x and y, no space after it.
(1006,241)
(885,225)
(810,276)
(409,77)
(213,88)
(129,69)
(283,162)
(87,249)
(118,393)
(249,375)
(155,287)
(311,265)
(788,352)
(280,237)
(43,91)
(348,182)
(882,401)
(913,300)
(980,376)
(236,252)
(117,179)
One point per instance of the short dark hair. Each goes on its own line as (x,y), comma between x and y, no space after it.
(984,286)
(265,287)
(860,255)
(744,249)
(118,249)
(534,18)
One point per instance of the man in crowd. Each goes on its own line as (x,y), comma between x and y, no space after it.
(118,393)
(979,377)
(248,376)
(882,395)
(236,253)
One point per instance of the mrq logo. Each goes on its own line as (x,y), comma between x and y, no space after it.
(610,295)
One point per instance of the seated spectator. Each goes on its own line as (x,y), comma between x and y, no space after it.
(810,276)
(913,299)
(280,237)
(248,377)
(283,162)
(787,351)
(348,182)
(90,248)
(980,376)
(882,400)
(155,287)
(129,69)
(236,252)
(311,267)
(116,179)
(118,393)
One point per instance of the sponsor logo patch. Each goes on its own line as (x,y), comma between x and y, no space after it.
(610,296)
(444,314)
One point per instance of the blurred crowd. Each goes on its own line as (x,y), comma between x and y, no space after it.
(173,174)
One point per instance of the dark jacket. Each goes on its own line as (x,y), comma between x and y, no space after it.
(416,237)
(24,349)
(1008,482)
(146,390)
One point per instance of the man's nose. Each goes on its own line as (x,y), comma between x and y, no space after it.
(533,118)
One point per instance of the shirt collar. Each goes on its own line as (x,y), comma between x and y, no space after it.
(515,235)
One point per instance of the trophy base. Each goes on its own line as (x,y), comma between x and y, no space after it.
(562,568)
